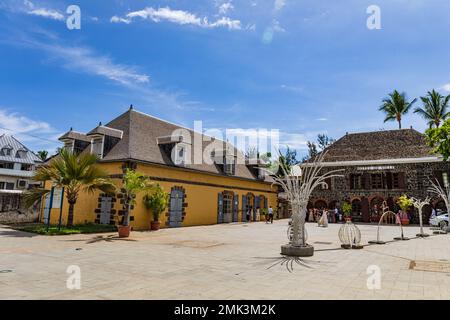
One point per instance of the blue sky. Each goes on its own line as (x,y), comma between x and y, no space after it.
(303,67)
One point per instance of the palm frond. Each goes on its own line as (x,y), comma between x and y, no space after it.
(33,196)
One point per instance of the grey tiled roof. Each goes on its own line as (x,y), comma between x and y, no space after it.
(377,145)
(10,141)
(139,142)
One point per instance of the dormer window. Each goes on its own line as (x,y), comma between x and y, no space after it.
(21,154)
(176,146)
(6,151)
(97,147)
(229,166)
(180,155)
(68,145)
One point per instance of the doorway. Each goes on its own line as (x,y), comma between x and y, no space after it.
(176,208)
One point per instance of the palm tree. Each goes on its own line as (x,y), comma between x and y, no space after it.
(395,106)
(434,108)
(73,173)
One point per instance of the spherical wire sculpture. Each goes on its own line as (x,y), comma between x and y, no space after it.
(350,236)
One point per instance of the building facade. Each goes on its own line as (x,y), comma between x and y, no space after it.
(220,190)
(380,166)
(17,165)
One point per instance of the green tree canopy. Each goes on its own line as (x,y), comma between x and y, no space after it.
(439,139)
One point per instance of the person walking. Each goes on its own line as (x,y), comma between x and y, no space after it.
(249,211)
(271,215)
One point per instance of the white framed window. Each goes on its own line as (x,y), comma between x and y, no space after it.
(97,147)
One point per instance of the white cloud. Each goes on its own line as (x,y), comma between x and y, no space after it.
(47,13)
(176,16)
(14,122)
(446,87)
(116,19)
(225,7)
(31,9)
(82,59)
(226,22)
(38,134)
(279,4)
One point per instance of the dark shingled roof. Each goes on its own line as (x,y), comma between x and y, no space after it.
(377,145)
(76,136)
(139,142)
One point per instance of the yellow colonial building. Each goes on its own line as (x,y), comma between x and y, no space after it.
(208,180)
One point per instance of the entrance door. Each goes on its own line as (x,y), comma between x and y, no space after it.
(176,208)
(227,209)
(105,210)
(236,208)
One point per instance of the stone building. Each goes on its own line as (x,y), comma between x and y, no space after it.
(380,166)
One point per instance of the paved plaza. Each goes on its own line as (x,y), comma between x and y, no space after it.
(235,261)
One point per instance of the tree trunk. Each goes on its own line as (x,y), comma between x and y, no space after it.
(70,216)
(399,124)
(126,218)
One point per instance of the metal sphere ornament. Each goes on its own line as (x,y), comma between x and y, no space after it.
(350,236)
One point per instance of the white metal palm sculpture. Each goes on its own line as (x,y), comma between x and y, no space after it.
(419,204)
(442,192)
(298,186)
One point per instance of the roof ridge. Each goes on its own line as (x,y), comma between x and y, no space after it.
(384,130)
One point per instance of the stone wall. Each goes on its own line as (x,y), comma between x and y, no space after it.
(17,216)
(417,183)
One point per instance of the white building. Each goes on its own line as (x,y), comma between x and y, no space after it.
(17,165)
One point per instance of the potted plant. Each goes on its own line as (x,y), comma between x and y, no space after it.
(133,183)
(405,204)
(347,210)
(156,202)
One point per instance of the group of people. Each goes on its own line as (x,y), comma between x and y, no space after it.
(269,216)
(324,216)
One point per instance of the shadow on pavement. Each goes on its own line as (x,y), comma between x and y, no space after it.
(110,238)
(17,234)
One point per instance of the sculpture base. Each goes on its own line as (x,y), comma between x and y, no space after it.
(401,238)
(292,251)
(422,235)
(377,242)
(348,246)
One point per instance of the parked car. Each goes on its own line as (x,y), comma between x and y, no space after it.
(440,220)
